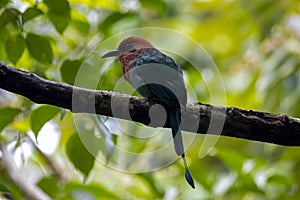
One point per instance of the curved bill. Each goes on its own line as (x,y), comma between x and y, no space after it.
(114,53)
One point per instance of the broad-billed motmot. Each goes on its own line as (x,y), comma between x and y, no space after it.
(155,76)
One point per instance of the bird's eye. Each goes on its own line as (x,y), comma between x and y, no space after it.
(131,49)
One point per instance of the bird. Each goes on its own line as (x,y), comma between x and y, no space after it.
(156,76)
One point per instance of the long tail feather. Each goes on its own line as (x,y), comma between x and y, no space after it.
(188,176)
(178,144)
(175,125)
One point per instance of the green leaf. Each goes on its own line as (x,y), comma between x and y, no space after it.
(78,154)
(40,116)
(148,179)
(7,115)
(21,125)
(9,187)
(245,184)
(51,185)
(233,159)
(112,19)
(39,48)
(81,26)
(69,70)
(9,15)
(59,22)
(79,22)
(3,2)
(95,191)
(279,179)
(106,137)
(59,13)
(31,13)
(159,5)
(14,47)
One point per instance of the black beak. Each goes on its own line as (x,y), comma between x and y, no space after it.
(114,53)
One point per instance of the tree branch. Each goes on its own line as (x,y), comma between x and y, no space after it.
(30,190)
(198,118)
(55,170)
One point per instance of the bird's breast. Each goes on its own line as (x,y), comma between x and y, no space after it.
(127,60)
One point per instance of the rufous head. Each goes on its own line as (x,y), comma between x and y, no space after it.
(130,44)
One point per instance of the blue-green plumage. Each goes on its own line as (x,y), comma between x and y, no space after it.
(156,76)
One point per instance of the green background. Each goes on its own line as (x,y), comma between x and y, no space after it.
(255,45)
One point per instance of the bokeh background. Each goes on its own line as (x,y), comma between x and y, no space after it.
(255,45)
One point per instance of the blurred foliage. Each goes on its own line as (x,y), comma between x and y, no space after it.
(255,44)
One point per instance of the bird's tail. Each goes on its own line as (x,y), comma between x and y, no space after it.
(175,125)
(175,121)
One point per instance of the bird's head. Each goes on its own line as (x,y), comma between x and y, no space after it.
(130,44)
